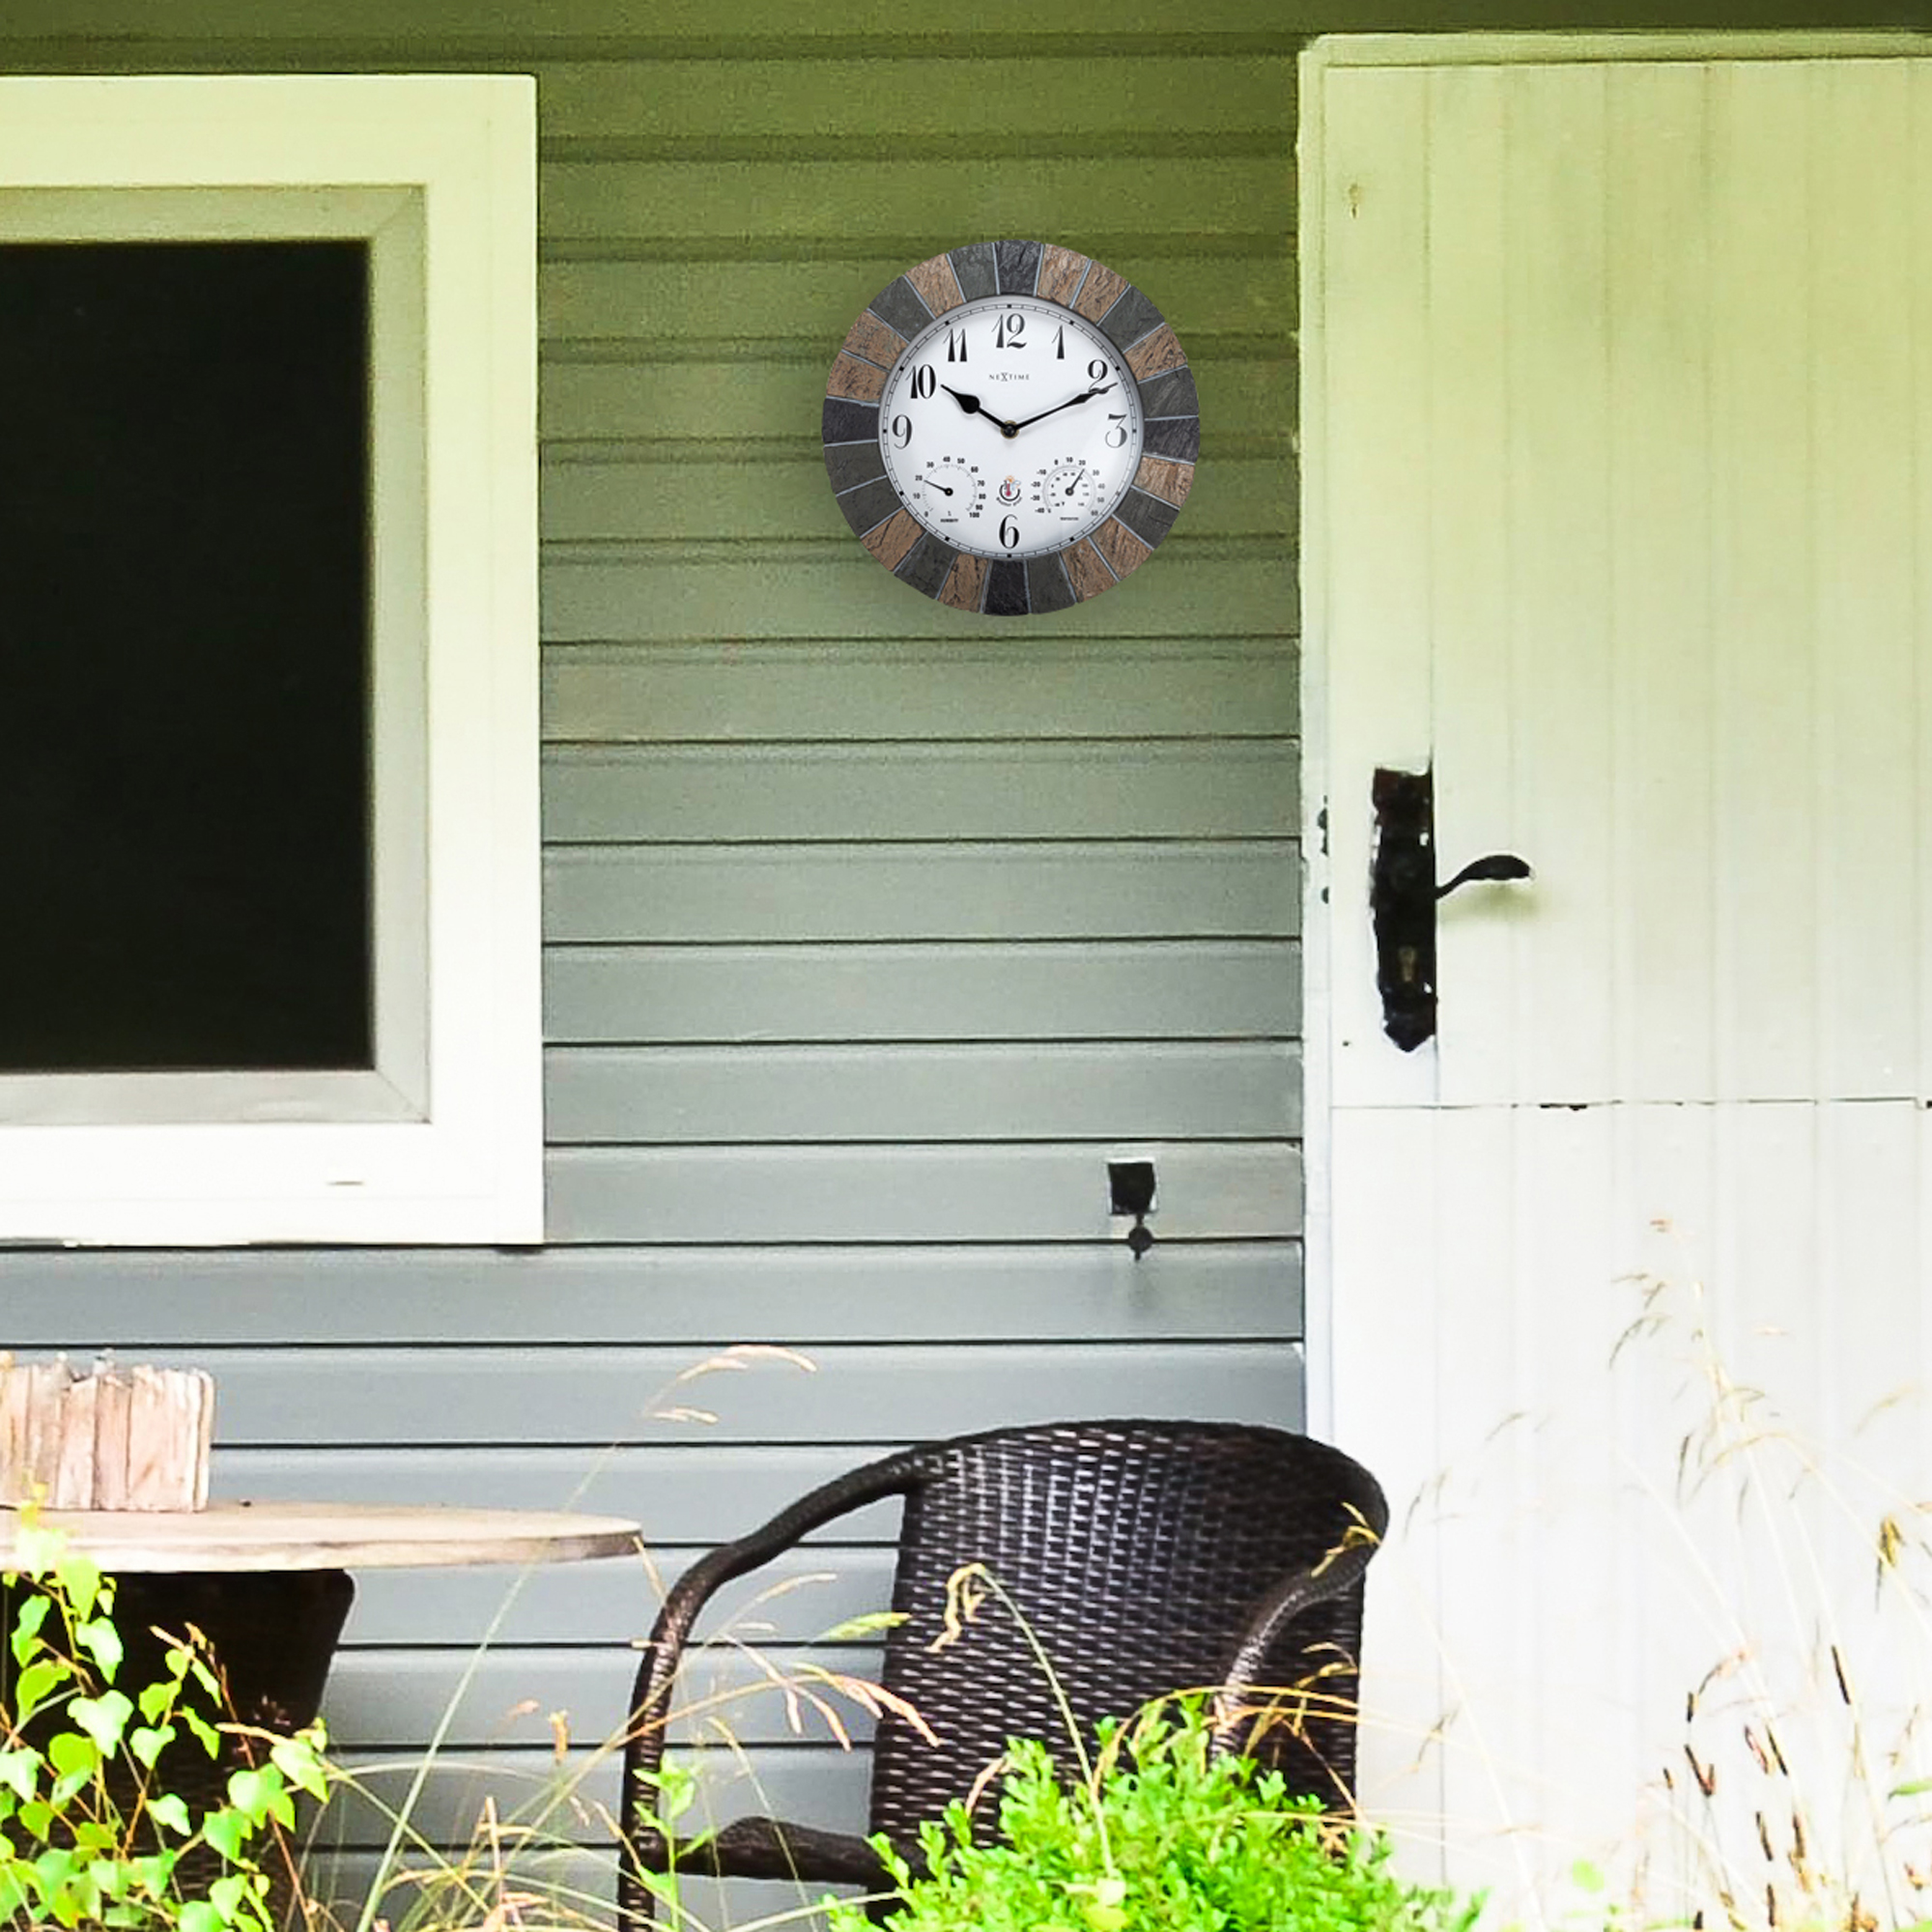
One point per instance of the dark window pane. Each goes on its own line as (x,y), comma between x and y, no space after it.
(183,656)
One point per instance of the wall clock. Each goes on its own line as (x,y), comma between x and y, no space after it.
(1010,427)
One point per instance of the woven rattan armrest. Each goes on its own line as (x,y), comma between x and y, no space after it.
(664,1651)
(1335,1575)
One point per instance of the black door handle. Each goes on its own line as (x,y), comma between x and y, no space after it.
(1495,865)
(1402,900)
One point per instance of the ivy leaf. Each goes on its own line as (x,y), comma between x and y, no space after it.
(147,1744)
(71,1755)
(67,1788)
(197,1914)
(36,1683)
(229,1893)
(107,1878)
(204,1733)
(224,1830)
(251,1793)
(101,1641)
(80,1582)
(38,1548)
(21,1771)
(27,1622)
(300,1761)
(105,1719)
(53,1871)
(153,1874)
(170,1809)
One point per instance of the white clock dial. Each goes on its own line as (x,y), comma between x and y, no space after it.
(1010,427)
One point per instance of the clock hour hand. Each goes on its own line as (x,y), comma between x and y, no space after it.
(973,407)
(1085,396)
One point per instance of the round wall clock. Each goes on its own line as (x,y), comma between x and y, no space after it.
(1010,427)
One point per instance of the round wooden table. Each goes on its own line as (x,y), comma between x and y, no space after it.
(268,1583)
(270,1536)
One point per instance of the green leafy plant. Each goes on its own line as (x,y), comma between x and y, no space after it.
(1150,1828)
(95,1828)
(1152,1831)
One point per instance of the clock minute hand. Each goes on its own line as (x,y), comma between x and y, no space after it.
(1087,396)
(973,407)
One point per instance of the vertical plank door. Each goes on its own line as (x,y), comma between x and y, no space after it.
(1617,397)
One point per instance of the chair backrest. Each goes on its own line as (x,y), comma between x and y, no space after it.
(1137,1552)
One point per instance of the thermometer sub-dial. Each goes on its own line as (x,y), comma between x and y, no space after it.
(948,492)
(1066,491)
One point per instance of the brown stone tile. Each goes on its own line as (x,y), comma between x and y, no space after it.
(1160,476)
(876,341)
(937,285)
(856,380)
(1060,273)
(1119,545)
(1085,570)
(1155,354)
(1102,290)
(965,583)
(893,538)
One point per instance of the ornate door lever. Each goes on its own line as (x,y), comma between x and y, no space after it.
(1402,900)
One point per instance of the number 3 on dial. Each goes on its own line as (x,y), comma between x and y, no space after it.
(1010,428)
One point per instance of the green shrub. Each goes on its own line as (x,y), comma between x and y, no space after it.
(1154,1835)
(91,1830)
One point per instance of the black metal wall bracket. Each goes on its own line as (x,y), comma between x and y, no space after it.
(1402,900)
(1130,1191)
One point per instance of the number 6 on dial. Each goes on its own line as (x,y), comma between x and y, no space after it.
(1010,428)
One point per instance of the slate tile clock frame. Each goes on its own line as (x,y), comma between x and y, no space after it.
(1058,579)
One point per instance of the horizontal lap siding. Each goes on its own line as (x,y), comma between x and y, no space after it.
(872,931)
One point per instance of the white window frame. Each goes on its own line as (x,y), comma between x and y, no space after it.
(443,1140)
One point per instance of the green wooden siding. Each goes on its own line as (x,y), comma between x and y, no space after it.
(871,930)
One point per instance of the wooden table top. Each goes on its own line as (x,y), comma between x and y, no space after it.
(334,1536)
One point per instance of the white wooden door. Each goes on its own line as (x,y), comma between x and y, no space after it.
(1618,386)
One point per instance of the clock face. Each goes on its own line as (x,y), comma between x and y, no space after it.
(1010,428)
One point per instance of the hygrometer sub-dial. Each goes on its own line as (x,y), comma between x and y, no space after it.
(1066,491)
(947,493)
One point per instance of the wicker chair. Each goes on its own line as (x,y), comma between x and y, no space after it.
(1145,1556)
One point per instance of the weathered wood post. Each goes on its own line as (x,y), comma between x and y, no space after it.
(104,1439)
